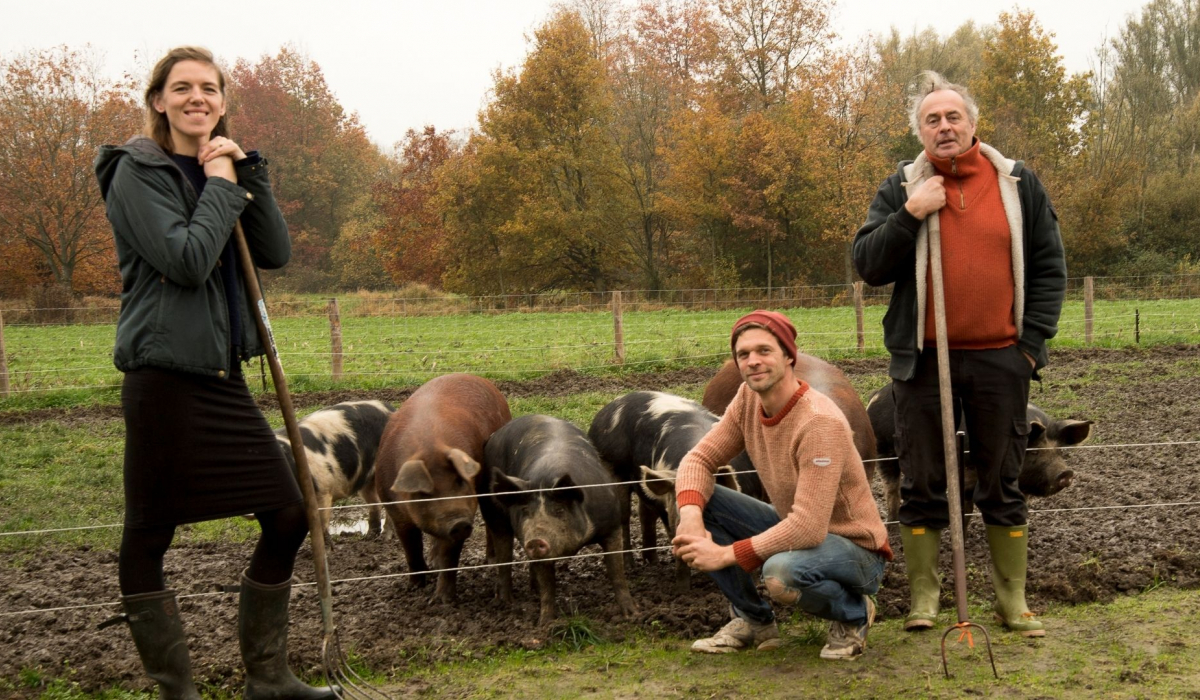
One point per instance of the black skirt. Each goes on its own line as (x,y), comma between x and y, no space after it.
(198,448)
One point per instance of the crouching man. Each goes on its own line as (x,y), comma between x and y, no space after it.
(822,545)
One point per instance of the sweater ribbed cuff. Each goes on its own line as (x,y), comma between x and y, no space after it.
(690,498)
(746,558)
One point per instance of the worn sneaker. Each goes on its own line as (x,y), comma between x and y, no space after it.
(847,641)
(740,634)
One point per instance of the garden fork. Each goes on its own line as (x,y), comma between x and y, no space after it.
(953,489)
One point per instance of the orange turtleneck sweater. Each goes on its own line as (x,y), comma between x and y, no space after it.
(977,270)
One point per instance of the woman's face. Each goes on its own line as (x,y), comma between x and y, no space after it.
(192,102)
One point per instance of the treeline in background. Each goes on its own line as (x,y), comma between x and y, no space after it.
(672,144)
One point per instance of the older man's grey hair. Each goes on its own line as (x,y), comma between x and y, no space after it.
(932,81)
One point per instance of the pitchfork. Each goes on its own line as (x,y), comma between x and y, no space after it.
(344,681)
(953,489)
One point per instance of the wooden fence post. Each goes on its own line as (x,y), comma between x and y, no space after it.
(1088,297)
(618,329)
(858,316)
(335,339)
(3,360)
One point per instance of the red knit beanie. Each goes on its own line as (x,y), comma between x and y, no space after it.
(777,323)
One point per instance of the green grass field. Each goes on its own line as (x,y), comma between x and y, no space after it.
(64,365)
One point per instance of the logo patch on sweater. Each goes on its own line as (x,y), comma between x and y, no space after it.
(822,461)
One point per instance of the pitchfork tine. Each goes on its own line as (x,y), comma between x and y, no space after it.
(342,678)
(332,659)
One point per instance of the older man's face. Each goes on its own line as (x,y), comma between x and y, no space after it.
(946,129)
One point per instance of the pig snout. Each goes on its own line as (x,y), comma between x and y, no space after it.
(537,548)
(460,530)
(1063,481)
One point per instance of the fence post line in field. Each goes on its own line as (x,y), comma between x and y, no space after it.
(335,339)
(3,360)
(618,329)
(1089,294)
(858,316)
(1137,326)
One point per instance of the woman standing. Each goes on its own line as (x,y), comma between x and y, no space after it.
(196,445)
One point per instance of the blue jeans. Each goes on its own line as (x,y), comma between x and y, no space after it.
(828,581)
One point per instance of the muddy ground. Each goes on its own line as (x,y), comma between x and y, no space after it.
(1136,396)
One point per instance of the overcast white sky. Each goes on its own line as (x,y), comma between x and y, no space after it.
(403,64)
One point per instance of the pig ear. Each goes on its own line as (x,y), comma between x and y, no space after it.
(466,467)
(569,493)
(1074,432)
(413,478)
(1036,430)
(657,484)
(727,477)
(509,489)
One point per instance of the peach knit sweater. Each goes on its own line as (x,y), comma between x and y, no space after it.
(806,459)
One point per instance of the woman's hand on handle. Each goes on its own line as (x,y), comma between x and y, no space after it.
(218,155)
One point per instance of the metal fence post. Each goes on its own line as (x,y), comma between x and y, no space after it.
(618,329)
(335,339)
(1088,296)
(858,316)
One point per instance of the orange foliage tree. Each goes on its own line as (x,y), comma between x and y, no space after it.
(322,163)
(411,240)
(55,113)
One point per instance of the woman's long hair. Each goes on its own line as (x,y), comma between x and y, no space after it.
(157,127)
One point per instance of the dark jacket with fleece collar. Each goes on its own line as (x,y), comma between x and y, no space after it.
(893,247)
(174,313)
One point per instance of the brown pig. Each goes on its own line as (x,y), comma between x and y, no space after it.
(432,448)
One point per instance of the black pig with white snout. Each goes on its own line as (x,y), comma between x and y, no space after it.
(535,467)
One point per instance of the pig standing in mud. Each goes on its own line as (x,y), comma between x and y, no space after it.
(643,435)
(819,375)
(432,448)
(541,452)
(1043,472)
(340,443)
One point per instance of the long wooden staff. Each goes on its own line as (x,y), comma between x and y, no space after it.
(953,489)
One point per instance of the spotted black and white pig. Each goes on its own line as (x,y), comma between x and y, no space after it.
(1043,473)
(432,449)
(644,436)
(540,452)
(340,443)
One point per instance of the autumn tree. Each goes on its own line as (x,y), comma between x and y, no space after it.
(55,112)
(322,163)
(545,150)
(700,163)
(411,238)
(766,45)
(1029,107)
(865,119)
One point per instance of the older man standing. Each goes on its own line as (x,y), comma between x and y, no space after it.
(1004,279)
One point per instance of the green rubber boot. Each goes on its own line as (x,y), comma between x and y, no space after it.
(921,546)
(158,635)
(1009,546)
(263,633)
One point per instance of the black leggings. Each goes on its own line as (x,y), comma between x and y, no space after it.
(140,567)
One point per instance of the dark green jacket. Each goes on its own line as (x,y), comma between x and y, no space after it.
(886,252)
(173,309)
